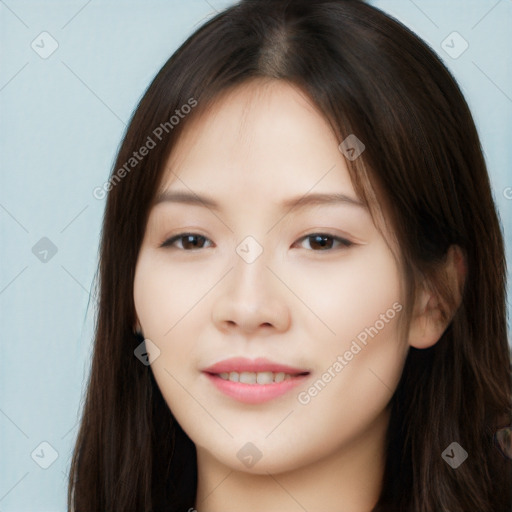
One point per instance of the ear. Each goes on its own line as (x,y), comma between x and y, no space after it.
(432,314)
(137,328)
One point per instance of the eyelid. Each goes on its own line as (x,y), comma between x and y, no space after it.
(168,242)
(343,241)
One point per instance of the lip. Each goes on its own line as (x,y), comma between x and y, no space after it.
(254,393)
(261,364)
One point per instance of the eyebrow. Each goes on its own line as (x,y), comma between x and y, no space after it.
(306,200)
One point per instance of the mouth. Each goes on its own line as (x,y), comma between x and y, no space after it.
(258,378)
(254,381)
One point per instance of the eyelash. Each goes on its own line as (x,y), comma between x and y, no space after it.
(344,243)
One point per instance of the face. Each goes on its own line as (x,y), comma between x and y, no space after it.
(274,326)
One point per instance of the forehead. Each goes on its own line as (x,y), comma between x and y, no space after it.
(266,136)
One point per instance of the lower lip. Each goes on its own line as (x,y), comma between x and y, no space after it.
(254,393)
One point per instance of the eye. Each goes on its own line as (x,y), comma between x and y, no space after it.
(324,241)
(317,241)
(190,241)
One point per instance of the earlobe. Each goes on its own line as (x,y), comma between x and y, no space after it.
(433,313)
(427,323)
(137,329)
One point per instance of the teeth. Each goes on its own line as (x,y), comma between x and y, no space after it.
(248,377)
(279,377)
(265,378)
(255,377)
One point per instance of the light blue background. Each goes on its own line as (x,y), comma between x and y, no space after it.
(62,119)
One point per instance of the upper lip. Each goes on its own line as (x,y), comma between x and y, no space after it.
(261,364)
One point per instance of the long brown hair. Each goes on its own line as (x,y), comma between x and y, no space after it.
(372,77)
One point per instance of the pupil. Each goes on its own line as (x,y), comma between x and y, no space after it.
(190,238)
(321,240)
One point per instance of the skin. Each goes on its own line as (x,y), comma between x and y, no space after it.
(297,304)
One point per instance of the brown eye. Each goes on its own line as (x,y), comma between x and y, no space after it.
(190,241)
(324,241)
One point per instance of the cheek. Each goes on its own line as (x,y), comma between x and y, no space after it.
(346,296)
(354,386)
(168,303)
(164,294)
(358,370)
(359,367)
(371,287)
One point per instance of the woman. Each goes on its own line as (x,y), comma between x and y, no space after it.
(302,280)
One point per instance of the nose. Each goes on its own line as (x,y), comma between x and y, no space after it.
(251,299)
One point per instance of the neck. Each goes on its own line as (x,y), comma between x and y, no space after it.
(348,480)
